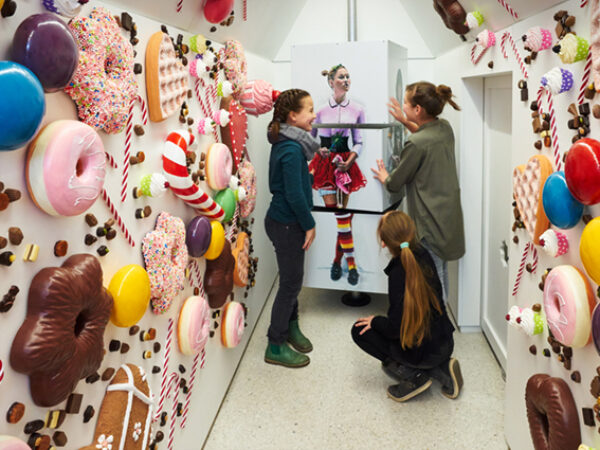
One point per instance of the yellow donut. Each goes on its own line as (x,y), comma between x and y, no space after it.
(130,288)
(589,249)
(217,241)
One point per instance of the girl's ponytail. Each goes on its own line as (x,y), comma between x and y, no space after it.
(429,97)
(445,94)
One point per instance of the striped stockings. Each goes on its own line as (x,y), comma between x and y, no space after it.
(345,243)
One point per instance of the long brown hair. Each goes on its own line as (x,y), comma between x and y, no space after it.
(429,97)
(395,227)
(288,101)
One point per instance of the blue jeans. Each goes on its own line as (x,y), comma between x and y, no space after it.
(442,268)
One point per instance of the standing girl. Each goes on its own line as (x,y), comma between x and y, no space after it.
(289,223)
(336,174)
(428,170)
(414,341)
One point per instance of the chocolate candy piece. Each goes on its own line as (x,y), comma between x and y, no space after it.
(108,374)
(7,258)
(524,95)
(59,438)
(491,64)
(114,345)
(111,234)
(147,354)
(92,378)
(4,201)
(138,130)
(533,349)
(8,9)
(147,211)
(39,442)
(567,364)
(156,347)
(33,426)
(137,68)
(74,403)
(568,352)
(109,223)
(13,194)
(538,144)
(90,239)
(163,28)
(31,252)
(576,376)
(101,231)
(9,299)
(155,369)
(88,413)
(139,213)
(15,412)
(584,109)
(547,353)
(588,417)
(102,250)
(181,368)
(124,347)
(133,330)
(61,248)
(148,335)
(159,436)
(126,21)
(15,235)
(163,418)
(3,242)
(91,220)
(55,419)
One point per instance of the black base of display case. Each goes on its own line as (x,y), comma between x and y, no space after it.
(356,299)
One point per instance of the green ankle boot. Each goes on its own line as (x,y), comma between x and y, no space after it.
(284,356)
(297,339)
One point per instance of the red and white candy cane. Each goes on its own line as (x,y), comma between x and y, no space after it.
(188,398)
(583,3)
(553,127)
(143,107)
(506,36)
(245,10)
(587,71)
(509,8)
(180,181)
(173,417)
(476,59)
(165,381)
(110,160)
(117,217)
(203,106)
(233,228)
(198,278)
(521,268)
(179,5)
(128,136)
(1,371)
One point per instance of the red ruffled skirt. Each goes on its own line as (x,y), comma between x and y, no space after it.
(324,176)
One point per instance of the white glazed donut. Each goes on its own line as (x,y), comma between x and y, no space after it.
(232,324)
(193,327)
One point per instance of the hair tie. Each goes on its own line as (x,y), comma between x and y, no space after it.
(404,245)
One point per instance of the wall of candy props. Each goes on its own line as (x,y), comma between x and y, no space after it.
(553,353)
(129,253)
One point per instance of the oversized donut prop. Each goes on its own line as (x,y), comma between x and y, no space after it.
(216,11)
(234,65)
(130,289)
(198,236)
(232,324)
(227,200)
(561,208)
(582,170)
(12,443)
(568,304)
(241,255)
(552,414)
(218,166)
(247,176)
(103,84)
(61,338)
(194,325)
(180,181)
(218,278)
(217,241)
(65,168)
(589,249)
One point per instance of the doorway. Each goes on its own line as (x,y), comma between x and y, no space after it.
(496,211)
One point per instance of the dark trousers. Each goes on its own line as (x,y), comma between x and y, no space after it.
(287,240)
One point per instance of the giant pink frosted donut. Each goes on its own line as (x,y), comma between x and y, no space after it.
(65,168)
(12,443)
(193,327)
(219,166)
(232,324)
(568,304)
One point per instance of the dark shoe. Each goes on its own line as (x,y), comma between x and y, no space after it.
(409,388)
(282,355)
(336,271)
(397,371)
(353,277)
(449,376)
(297,339)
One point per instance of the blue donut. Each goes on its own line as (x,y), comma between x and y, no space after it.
(561,208)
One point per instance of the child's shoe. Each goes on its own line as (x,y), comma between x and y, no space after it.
(336,271)
(353,277)
(297,339)
(282,355)
(449,376)
(397,371)
(409,388)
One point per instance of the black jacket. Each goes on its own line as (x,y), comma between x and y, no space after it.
(435,348)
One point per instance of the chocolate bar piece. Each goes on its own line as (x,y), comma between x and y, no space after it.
(74,403)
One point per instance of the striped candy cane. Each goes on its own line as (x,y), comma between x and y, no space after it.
(110,160)
(143,107)
(188,398)
(173,417)
(507,37)
(117,217)
(128,134)
(476,59)
(205,110)
(245,13)
(583,3)
(553,127)
(164,384)
(521,268)
(535,259)
(585,79)
(509,8)
(233,228)
(179,5)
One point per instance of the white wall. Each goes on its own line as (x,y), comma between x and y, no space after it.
(456,70)
(212,381)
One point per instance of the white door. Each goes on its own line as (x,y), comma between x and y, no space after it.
(497,211)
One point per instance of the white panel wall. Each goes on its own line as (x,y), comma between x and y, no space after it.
(212,381)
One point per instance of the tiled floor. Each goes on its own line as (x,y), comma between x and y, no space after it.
(339,401)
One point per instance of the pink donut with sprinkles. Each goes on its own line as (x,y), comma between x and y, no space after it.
(193,327)
(104,84)
(234,65)
(65,168)
(247,176)
(219,166)
(165,255)
(232,324)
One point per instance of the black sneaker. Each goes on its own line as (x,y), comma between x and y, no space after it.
(409,388)
(449,376)
(353,277)
(336,271)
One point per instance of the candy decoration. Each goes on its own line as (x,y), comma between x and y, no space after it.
(128,133)
(476,59)
(188,398)
(22,106)
(67,8)
(111,161)
(235,134)
(198,235)
(258,97)
(561,208)
(130,289)
(216,11)
(537,39)
(180,182)
(164,384)
(528,247)
(558,80)
(554,243)
(198,44)
(587,71)
(582,171)
(509,8)
(553,127)
(173,417)
(589,249)
(153,185)
(583,3)
(526,319)
(117,217)
(572,48)
(234,65)
(245,10)
(596,328)
(507,36)
(1,371)
(474,19)
(179,5)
